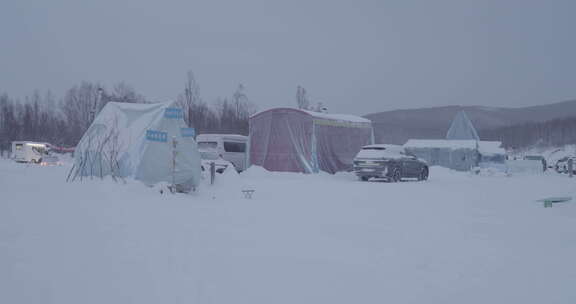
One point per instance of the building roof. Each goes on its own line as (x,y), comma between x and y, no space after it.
(206,136)
(483,147)
(385,146)
(335,117)
(441,143)
(490,147)
(462,128)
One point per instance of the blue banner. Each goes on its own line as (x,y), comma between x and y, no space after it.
(158,136)
(188,132)
(174,113)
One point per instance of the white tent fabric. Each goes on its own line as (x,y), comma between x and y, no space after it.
(137,140)
(462,128)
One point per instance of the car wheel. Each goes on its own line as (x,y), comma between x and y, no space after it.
(423,174)
(364,178)
(396,176)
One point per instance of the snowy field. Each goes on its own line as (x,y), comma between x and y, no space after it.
(301,239)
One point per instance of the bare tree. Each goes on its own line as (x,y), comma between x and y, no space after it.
(240,99)
(83,102)
(122,92)
(9,128)
(79,106)
(302,99)
(234,116)
(190,100)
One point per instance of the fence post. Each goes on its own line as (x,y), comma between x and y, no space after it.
(174,153)
(212,172)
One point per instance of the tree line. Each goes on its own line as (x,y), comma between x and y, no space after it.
(552,133)
(224,115)
(62,121)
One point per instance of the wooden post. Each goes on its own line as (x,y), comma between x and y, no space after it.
(212,172)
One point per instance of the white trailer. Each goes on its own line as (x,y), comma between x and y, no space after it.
(29,152)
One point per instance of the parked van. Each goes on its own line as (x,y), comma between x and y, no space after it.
(29,152)
(230,147)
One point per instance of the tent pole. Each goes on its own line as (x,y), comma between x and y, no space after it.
(314,150)
(174,143)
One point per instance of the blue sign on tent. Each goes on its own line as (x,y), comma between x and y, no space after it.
(188,132)
(174,113)
(158,136)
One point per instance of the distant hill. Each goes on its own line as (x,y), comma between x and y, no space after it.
(397,126)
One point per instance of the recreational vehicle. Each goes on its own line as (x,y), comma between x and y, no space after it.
(230,147)
(29,152)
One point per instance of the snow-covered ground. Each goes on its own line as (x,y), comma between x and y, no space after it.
(301,239)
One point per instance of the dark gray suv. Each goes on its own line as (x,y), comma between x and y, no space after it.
(389,162)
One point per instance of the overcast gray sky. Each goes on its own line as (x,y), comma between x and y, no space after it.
(355,56)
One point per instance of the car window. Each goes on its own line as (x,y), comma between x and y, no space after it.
(38,150)
(205,145)
(230,146)
(209,155)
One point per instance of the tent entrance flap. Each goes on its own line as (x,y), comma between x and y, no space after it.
(299,144)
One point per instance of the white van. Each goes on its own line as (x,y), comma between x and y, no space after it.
(230,147)
(29,152)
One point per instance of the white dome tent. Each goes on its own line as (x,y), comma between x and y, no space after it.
(149,142)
